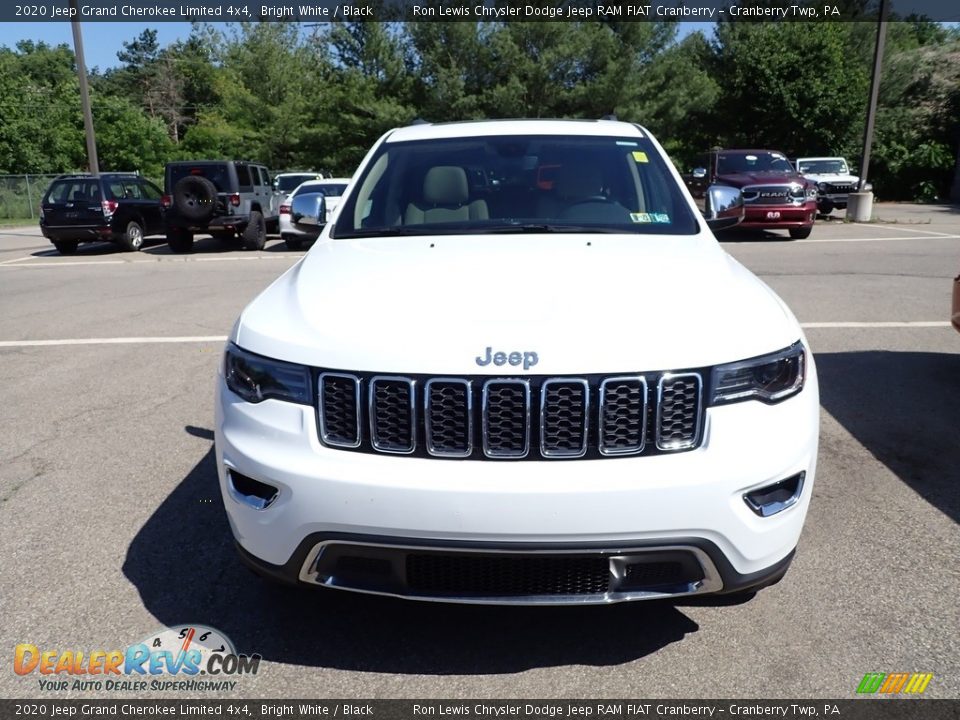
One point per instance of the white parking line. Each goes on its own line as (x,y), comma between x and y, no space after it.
(907,324)
(223,338)
(115,341)
(72,263)
(907,227)
(938,236)
(15,260)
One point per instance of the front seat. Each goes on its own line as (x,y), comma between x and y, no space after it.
(445,199)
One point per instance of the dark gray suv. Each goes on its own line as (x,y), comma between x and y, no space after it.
(226,198)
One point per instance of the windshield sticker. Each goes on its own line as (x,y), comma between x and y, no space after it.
(751,158)
(628,143)
(640,217)
(640,156)
(660,217)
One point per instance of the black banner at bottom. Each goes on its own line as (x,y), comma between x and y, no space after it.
(860,709)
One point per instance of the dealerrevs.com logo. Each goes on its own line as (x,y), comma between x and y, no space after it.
(185,657)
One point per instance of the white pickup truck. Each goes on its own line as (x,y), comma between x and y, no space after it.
(490,383)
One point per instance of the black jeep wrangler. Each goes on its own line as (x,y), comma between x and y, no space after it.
(226,198)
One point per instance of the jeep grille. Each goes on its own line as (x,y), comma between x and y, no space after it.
(532,417)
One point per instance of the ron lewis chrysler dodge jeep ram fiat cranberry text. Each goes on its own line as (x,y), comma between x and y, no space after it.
(482,387)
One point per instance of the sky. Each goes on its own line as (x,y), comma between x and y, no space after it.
(102,40)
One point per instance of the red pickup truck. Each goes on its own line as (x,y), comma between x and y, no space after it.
(775,195)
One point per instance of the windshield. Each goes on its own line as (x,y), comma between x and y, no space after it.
(522,183)
(734,163)
(328,189)
(286,183)
(217,173)
(824,167)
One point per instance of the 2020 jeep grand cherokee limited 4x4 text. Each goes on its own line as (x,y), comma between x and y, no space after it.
(222,197)
(476,387)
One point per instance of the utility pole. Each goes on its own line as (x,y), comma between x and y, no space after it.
(860,204)
(84,91)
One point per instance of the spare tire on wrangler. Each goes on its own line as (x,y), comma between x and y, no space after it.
(195,198)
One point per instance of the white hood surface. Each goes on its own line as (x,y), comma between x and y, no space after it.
(583,303)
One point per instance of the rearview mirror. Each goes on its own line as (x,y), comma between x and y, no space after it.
(723,207)
(309,211)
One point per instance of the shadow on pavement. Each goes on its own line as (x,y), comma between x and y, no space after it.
(903,407)
(183,563)
(744,235)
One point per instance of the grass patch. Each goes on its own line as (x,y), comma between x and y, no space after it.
(16,222)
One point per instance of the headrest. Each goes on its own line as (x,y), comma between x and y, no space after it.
(445,185)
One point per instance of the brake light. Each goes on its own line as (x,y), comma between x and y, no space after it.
(166,202)
(109,207)
(235,199)
(41,213)
(284,209)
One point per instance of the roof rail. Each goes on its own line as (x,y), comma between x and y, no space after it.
(419,121)
(609,116)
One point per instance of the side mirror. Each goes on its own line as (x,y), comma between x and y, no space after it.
(723,207)
(309,211)
(699,173)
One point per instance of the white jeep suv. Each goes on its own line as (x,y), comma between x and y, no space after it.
(487,382)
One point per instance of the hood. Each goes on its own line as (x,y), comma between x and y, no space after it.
(832,177)
(761,178)
(583,304)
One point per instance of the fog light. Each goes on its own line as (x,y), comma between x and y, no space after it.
(775,498)
(250,492)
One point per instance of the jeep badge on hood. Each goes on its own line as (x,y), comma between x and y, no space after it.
(527,358)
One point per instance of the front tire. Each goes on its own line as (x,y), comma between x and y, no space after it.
(800,233)
(133,237)
(66,247)
(255,233)
(180,240)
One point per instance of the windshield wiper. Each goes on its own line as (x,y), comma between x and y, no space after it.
(543,228)
(392,230)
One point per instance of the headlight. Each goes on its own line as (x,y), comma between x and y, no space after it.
(256,378)
(769,378)
(822,187)
(812,191)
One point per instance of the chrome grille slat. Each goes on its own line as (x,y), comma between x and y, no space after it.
(623,415)
(506,418)
(679,401)
(339,409)
(564,417)
(448,417)
(392,414)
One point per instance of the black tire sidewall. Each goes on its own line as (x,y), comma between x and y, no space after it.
(66,247)
(180,240)
(255,233)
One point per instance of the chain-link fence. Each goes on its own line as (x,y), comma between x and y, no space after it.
(20,195)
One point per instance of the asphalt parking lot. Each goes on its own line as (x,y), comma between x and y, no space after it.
(111,522)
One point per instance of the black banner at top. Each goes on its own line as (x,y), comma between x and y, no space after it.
(289,709)
(154,11)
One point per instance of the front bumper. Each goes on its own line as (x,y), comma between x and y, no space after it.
(779,217)
(612,507)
